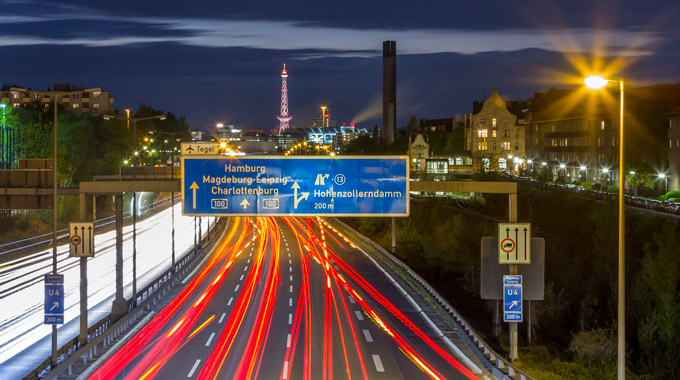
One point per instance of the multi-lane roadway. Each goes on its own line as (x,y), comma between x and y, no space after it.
(285,298)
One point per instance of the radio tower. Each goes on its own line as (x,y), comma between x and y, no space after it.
(284,118)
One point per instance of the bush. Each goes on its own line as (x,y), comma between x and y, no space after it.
(597,186)
(594,345)
(673,194)
(613,189)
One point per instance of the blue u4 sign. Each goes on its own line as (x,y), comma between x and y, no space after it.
(54,299)
(512,303)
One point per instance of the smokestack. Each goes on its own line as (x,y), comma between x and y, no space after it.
(389,127)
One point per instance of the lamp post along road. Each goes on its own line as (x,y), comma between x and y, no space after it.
(597,82)
(134,200)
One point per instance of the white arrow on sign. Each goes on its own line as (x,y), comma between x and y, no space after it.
(54,306)
(513,304)
(193,187)
(297,200)
(245,203)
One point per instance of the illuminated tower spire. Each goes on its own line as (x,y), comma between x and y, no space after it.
(284,118)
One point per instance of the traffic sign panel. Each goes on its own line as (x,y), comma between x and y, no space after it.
(512,303)
(514,245)
(200,149)
(278,186)
(81,239)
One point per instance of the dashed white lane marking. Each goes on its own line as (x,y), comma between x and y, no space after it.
(291,277)
(210,339)
(291,288)
(367,335)
(241,278)
(285,369)
(222,317)
(290,319)
(378,363)
(193,369)
(290,269)
(230,299)
(359,315)
(248,261)
(351,299)
(245,269)
(236,288)
(290,301)
(289,261)
(288,341)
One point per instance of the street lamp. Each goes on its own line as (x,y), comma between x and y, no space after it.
(134,193)
(585,169)
(597,82)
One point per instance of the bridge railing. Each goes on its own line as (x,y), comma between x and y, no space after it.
(104,334)
(508,371)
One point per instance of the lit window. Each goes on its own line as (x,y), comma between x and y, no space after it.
(483,133)
(95,105)
(493,133)
(493,122)
(15,95)
(482,146)
(459,161)
(501,163)
(602,125)
(76,105)
(505,145)
(16,105)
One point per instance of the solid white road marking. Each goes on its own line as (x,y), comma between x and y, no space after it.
(378,363)
(230,299)
(210,339)
(359,315)
(193,369)
(367,335)
(222,317)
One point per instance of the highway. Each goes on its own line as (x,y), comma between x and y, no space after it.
(25,340)
(285,298)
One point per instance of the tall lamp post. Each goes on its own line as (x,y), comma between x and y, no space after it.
(83,260)
(134,121)
(323,124)
(172,194)
(665,178)
(596,82)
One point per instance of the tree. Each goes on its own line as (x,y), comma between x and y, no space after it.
(412,125)
(456,139)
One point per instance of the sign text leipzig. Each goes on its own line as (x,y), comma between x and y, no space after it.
(295,186)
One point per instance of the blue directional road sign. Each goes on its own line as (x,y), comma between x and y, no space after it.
(295,186)
(54,299)
(512,298)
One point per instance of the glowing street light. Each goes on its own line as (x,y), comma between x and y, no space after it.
(597,82)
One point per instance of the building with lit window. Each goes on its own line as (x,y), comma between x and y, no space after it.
(96,102)
(672,177)
(495,136)
(576,132)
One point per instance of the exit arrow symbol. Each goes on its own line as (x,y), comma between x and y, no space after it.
(54,306)
(513,304)
(297,200)
(245,203)
(193,187)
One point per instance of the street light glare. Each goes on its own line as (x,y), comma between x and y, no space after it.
(595,82)
(662,175)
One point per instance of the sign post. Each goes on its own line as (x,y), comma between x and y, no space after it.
(54,299)
(512,298)
(295,186)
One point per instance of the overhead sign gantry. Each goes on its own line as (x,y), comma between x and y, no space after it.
(295,186)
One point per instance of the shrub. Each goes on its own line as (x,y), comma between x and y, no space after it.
(597,186)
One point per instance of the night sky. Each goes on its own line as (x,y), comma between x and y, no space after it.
(220,61)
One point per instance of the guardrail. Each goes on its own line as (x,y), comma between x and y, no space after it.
(104,333)
(63,233)
(496,360)
(649,204)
